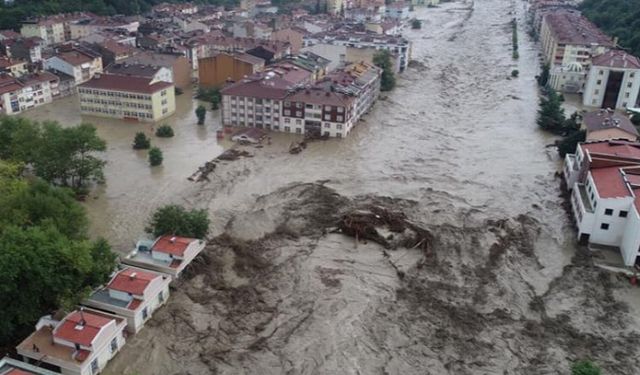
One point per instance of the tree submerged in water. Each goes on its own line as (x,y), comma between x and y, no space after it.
(141,141)
(155,157)
(177,220)
(382,59)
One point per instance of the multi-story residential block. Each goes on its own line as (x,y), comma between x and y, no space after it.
(29,49)
(360,46)
(53,29)
(28,91)
(167,254)
(331,107)
(605,195)
(14,67)
(398,10)
(568,37)
(613,81)
(152,72)
(80,344)
(127,97)
(92,25)
(134,294)
(606,124)
(80,63)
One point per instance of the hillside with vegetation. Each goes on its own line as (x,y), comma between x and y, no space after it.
(11,15)
(618,18)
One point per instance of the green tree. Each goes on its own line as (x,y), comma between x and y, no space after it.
(416,23)
(155,156)
(585,368)
(543,78)
(635,119)
(382,59)
(569,143)
(141,141)
(515,73)
(201,112)
(164,131)
(176,220)
(551,114)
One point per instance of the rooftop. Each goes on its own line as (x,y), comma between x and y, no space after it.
(81,327)
(132,281)
(126,83)
(173,245)
(571,27)
(606,119)
(136,70)
(623,149)
(617,59)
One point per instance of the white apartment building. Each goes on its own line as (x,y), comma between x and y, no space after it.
(132,293)
(82,65)
(81,344)
(604,178)
(613,81)
(29,91)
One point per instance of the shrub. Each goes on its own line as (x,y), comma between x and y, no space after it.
(155,156)
(515,73)
(635,119)
(201,112)
(176,220)
(585,368)
(141,141)
(164,131)
(416,24)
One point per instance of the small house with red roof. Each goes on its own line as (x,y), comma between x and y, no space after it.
(133,293)
(10,366)
(167,254)
(80,344)
(604,179)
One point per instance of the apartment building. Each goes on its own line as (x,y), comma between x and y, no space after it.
(605,195)
(28,91)
(88,26)
(127,97)
(606,124)
(398,10)
(14,67)
(330,107)
(134,294)
(217,70)
(80,63)
(613,81)
(359,46)
(53,29)
(29,49)
(567,36)
(80,344)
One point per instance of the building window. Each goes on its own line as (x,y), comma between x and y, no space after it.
(298,122)
(287,121)
(298,130)
(339,126)
(145,313)
(604,226)
(597,92)
(599,82)
(630,84)
(114,345)
(161,296)
(94,366)
(299,113)
(340,109)
(327,107)
(339,118)
(338,135)
(601,72)
(327,117)
(287,112)
(623,214)
(327,125)
(608,211)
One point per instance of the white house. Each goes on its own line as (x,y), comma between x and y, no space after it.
(82,65)
(132,293)
(167,254)
(10,366)
(605,195)
(29,91)
(81,344)
(613,81)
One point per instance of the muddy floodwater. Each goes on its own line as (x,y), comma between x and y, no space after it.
(500,287)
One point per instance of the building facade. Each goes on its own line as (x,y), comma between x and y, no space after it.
(126,97)
(29,91)
(613,81)
(81,64)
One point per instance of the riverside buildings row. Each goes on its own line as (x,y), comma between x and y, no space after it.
(85,340)
(582,59)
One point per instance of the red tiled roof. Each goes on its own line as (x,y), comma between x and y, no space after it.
(134,304)
(172,245)
(273,88)
(75,58)
(126,83)
(610,183)
(617,59)
(571,27)
(603,119)
(132,281)
(8,84)
(613,148)
(17,371)
(85,336)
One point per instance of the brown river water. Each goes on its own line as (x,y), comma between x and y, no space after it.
(503,289)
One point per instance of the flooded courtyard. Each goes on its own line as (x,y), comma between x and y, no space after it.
(501,289)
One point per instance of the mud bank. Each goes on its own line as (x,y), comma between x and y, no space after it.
(290,297)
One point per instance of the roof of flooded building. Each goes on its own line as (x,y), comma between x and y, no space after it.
(126,83)
(132,281)
(617,59)
(606,119)
(173,245)
(571,27)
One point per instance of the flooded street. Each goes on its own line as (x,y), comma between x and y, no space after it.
(499,290)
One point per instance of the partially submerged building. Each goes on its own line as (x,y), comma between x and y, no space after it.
(134,294)
(167,254)
(80,344)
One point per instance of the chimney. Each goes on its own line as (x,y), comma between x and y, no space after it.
(172,239)
(132,276)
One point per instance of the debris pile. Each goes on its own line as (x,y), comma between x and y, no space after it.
(202,174)
(297,147)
